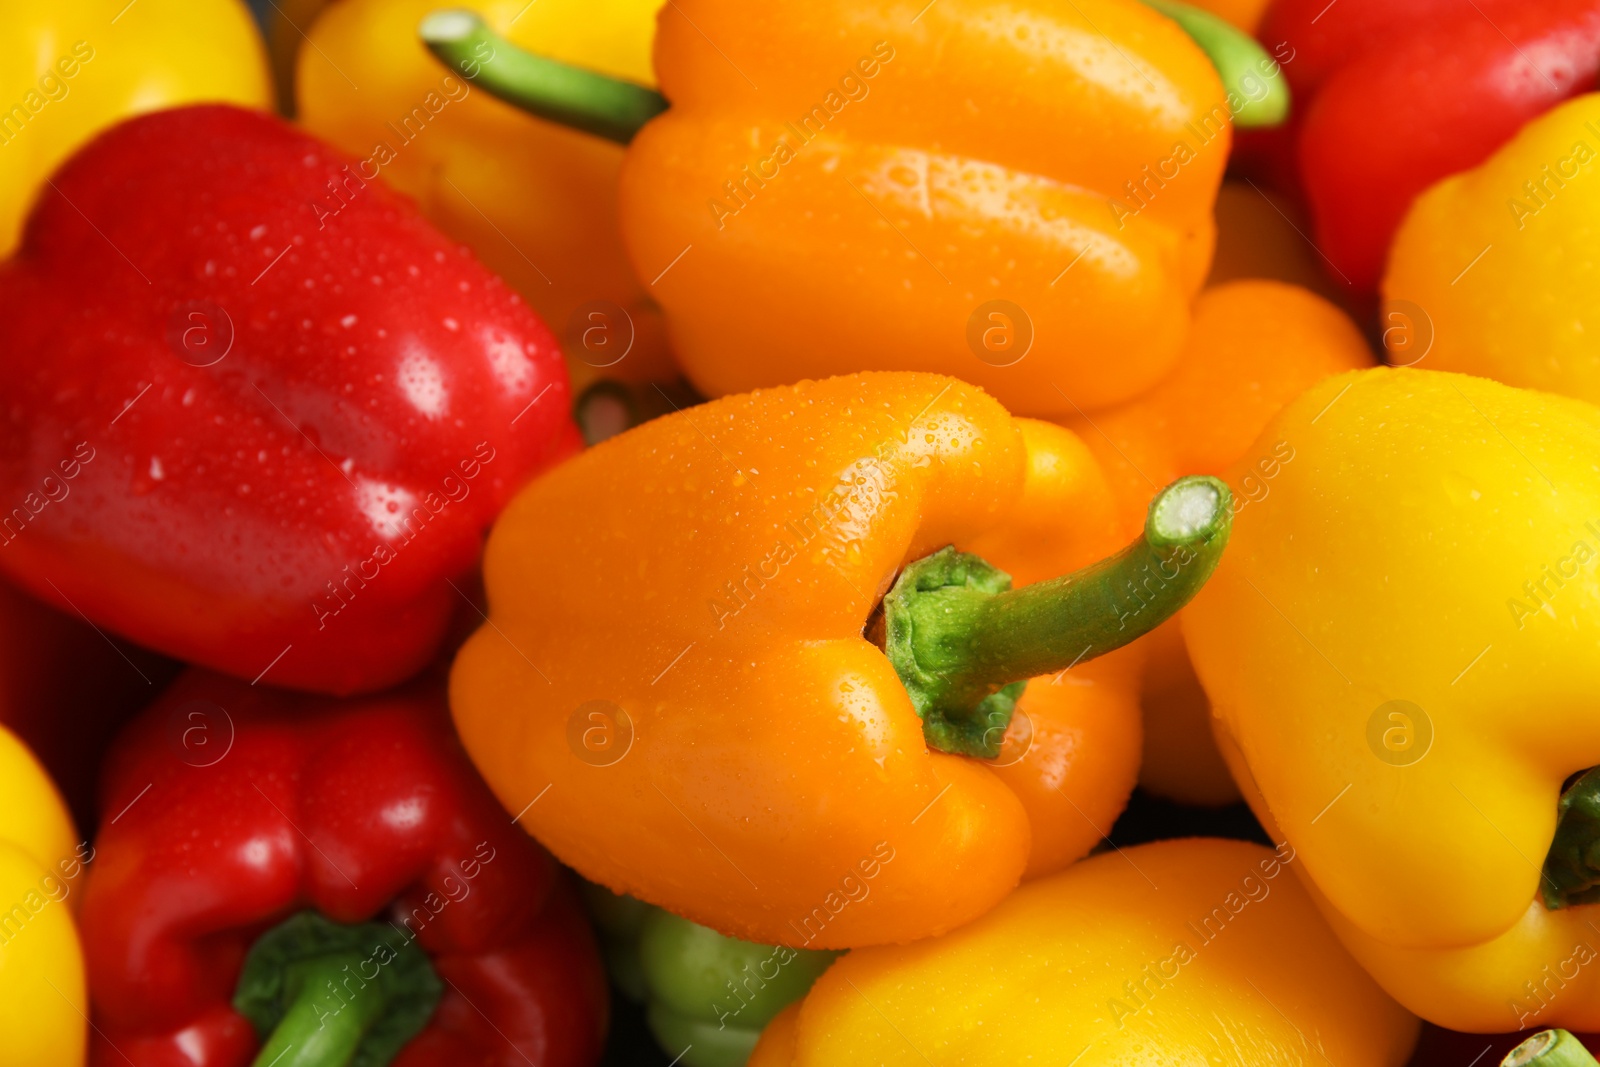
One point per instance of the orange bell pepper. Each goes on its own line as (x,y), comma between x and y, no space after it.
(677,694)
(838,188)
(1254,347)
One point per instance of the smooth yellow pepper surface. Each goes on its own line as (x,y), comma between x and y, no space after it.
(537,202)
(1493,271)
(43,999)
(68,70)
(1180,952)
(1399,648)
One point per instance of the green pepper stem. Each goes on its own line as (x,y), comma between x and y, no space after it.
(329,1013)
(1243,65)
(572,96)
(327,994)
(1549,1048)
(964,643)
(1571,873)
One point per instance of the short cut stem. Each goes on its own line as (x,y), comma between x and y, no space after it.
(560,92)
(1549,1048)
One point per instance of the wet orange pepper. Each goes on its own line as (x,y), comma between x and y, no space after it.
(884,183)
(1255,346)
(822,188)
(676,690)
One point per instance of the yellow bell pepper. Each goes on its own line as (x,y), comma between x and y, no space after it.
(44,1002)
(537,202)
(1180,952)
(1493,271)
(1399,647)
(68,70)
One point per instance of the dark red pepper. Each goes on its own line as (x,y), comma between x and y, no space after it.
(1393,95)
(258,412)
(229,809)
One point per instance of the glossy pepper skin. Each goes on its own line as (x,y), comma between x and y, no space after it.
(536,201)
(70,70)
(1399,651)
(1470,76)
(921,191)
(682,655)
(1526,311)
(1187,951)
(237,806)
(264,447)
(1255,346)
(43,1000)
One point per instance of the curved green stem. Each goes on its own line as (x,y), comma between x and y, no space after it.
(1549,1048)
(572,96)
(1247,71)
(964,643)
(1572,866)
(324,994)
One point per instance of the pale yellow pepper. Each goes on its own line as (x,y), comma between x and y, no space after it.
(44,1001)
(1191,951)
(535,201)
(1494,270)
(1399,647)
(70,69)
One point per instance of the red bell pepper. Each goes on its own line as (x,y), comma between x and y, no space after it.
(1393,95)
(258,412)
(238,816)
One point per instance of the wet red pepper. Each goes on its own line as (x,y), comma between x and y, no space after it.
(229,809)
(1393,95)
(258,412)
